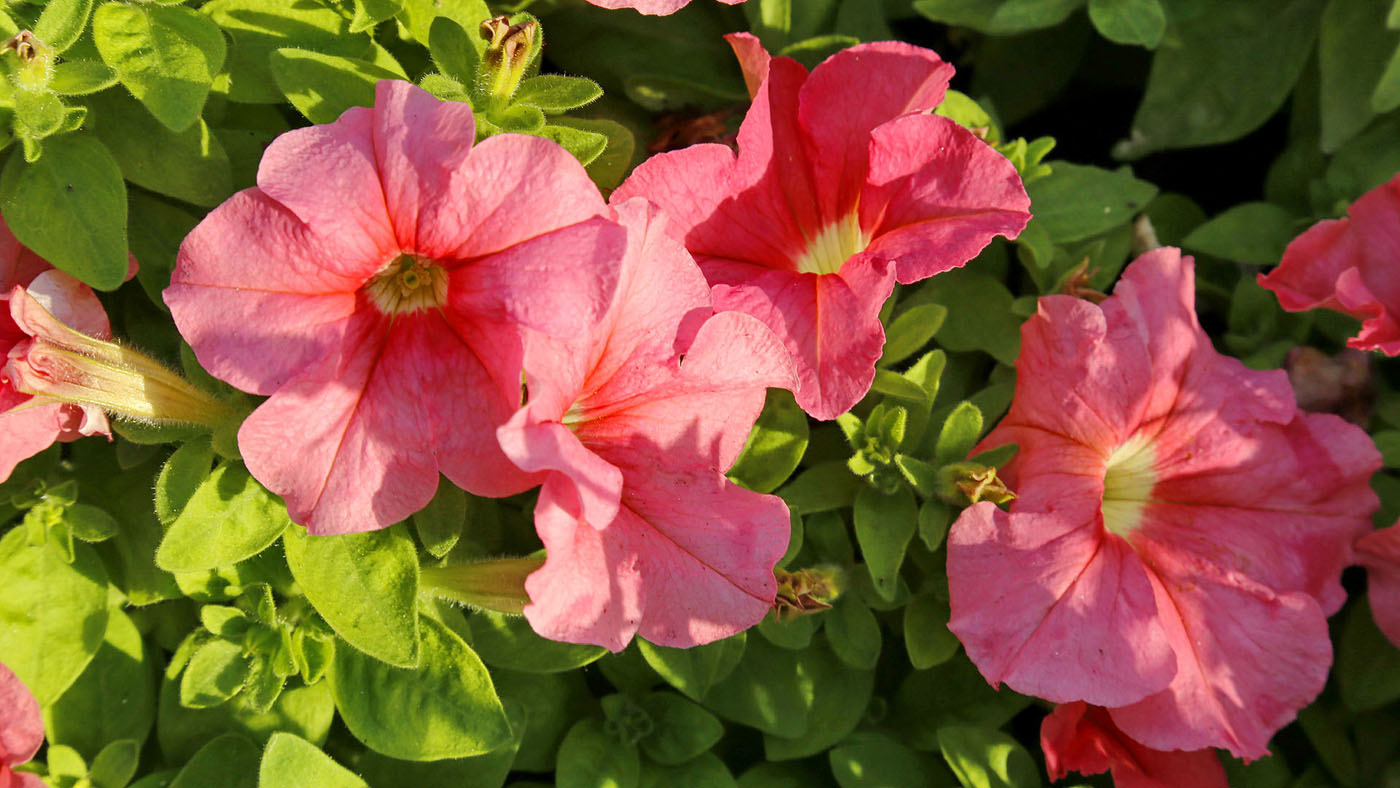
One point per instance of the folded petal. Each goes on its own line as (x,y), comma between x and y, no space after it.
(753,59)
(1080,738)
(535,445)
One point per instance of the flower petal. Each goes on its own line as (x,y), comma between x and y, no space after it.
(21,726)
(1081,738)
(1379,552)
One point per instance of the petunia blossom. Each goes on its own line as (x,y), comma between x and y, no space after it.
(1077,737)
(375,285)
(1180,529)
(21,731)
(651,7)
(843,185)
(30,423)
(634,425)
(1348,265)
(1379,552)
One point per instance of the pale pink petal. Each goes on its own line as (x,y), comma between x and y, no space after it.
(60,298)
(346,207)
(257,296)
(649,7)
(21,726)
(1247,660)
(1080,738)
(1379,552)
(537,445)
(921,218)
(848,96)
(753,58)
(28,429)
(1078,623)
(829,324)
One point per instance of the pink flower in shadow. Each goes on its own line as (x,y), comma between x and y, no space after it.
(1348,265)
(635,424)
(375,284)
(1379,552)
(21,730)
(844,183)
(1077,737)
(1180,529)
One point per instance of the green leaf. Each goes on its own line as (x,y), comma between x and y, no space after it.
(612,165)
(959,434)
(62,23)
(979,314)
(445,708)
(874,760)
(1325,724)
(704,771)
(826,485)
(1253,232)
(1236,63)
(157,228)
(89,523)
(323,86)
(682,729)
(853,633)
(934,517)
(52,615)
(551,703)
(1131,22)
(305,711)
(456,53)
(1076,201)
(229,518)
(189,165)
(555,93)
(999,17)
(586,146)
(775,446)
(910,330)
(793,633)
(780,22)
(230,761)
(810,52)
(1386,96)
(765,691)
(439,524)
(81,77)
(984,758)
(481,771)
(504,641)
(1368,665)
(840,696)
(291,760)
(590,758)
(182,474)
(926,634)
(70,208)
(116,764)
(694,670)
(1353,50)
(167,56)
(113,699)
(420,15)
(216,672)
(369,13)
(260,27)
(365,586)
(884,526)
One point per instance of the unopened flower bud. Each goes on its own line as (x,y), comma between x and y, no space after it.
(32,66)
(807,590)
(507,54)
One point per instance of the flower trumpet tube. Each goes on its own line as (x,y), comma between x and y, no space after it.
(497,584)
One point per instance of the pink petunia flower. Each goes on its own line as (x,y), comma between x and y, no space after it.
(1348,265)
(21,731)
(844,183)
(1180,529)
(29,423)
(651,7)
(1379,552)
(375,283)
(1077,737)
(635,424)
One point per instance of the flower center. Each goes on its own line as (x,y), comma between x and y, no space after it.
(833,246)
(1127,484)
(407,284)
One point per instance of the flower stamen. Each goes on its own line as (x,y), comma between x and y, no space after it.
(408,284)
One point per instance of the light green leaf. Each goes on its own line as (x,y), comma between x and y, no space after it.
(216,672)
(1252,232)
(80,77)
(1235,65)
(229,518)
(455,52)
(189,165)
(445,708)
(167,56)
(826,485)
(323,86)
(113,699)
(305,711)
(910,330)
(116,764)
(365,586)
(586,146)
(682,729)
(998,16)
(186,469)
(590,758)
(884,525)
(1386,96)
(504,641)
(1131,22)
(230,761)
(260,27)
(290,760)
(985,758)
(774,447)
(369,13)
(419,15)
(556,93)
(609,168)
(62,23)
(959,434)
(69,207)
(52,615)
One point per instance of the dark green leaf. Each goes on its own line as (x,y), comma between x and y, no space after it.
(998,16)
(444,708)
(70,208)
(182,474)
(1132,22)
(694,670)
(1253,232)
(365,586)
(439,524)
(609,168)
(1077,201)
(455,52)
(1353,50)
(926,634)
(586,146)
(419,15)
(167,56)
(884,526)
(682,729)
(228,518)
(323,86)
(827,485)
(1368,665)
(116,764)
(190,165)
(853,633)
(874,760)
(590,758)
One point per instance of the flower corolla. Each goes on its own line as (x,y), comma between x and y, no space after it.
(21,731)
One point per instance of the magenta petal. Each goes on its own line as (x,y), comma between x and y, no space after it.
(924,219)
(1077,623)
(849,95)
(1081,738)
(1247,660)
(1379,552)
(21,726)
